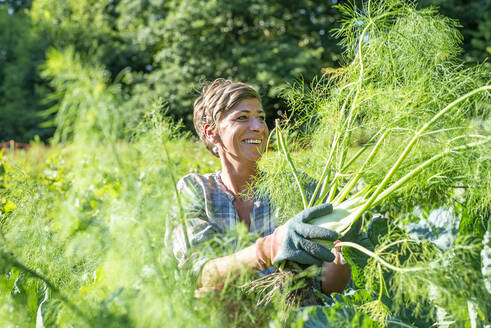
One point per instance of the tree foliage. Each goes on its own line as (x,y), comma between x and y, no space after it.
(21,90)
(475,20)
(168,48)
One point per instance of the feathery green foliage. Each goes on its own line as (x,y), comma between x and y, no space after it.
(83,223)
(402,124)
(404,70)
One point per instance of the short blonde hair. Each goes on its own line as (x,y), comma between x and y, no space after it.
(217,97)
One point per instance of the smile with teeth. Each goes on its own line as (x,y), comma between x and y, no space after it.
(253,141)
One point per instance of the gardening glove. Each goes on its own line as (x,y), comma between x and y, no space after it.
(378,226)
(291,240)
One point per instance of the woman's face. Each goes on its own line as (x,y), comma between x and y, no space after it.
(241,133)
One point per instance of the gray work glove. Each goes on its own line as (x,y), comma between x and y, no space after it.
(377,227)
(291,241)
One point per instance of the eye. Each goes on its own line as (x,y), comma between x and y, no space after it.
(262,118)
(241,118)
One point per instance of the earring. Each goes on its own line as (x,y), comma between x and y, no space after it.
(215,149)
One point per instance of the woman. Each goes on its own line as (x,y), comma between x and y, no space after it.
(230,121)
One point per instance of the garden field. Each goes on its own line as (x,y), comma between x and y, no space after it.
(397,139)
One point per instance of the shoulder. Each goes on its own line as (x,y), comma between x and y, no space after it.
(194,182)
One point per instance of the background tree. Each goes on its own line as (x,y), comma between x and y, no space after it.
(263,43)
(475,18)
(21,89)
(168,48)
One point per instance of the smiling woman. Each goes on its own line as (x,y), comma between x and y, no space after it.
(240,134)
(229,119)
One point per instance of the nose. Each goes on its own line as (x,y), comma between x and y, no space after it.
(258,125)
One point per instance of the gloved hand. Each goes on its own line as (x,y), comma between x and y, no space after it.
(378,226)
(291,240)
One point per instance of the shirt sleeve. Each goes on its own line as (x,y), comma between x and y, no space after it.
(194,217)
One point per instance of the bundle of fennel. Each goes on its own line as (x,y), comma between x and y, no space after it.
(403,123)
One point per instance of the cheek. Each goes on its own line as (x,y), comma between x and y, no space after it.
(223,132)
(230,134)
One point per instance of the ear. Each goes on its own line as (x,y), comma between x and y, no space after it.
(210,134)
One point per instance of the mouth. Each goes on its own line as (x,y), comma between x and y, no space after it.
(252,141)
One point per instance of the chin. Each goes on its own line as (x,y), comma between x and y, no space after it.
(253,157)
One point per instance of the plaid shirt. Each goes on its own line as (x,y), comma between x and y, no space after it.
(209,212)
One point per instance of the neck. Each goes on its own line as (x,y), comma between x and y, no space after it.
(237,176)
